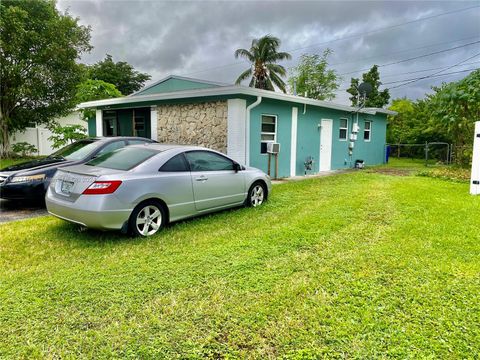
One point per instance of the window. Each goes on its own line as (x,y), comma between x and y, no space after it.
(269,131)
(175,164)
(123,159)
(138,142)
(342,135)
(208,161)
(367,131)
(76,151)
(111,147)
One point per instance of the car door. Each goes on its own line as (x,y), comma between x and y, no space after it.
(215,182)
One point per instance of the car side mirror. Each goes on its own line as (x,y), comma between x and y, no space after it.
(237,167)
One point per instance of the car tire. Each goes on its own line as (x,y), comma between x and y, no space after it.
(148,218)
(257,194)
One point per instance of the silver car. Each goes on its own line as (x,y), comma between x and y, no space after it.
(141,188)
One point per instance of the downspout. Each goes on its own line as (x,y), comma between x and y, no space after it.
(247,130)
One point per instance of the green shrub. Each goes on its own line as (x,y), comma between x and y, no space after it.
(24,148)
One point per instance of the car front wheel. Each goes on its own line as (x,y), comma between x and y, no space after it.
(257,195)
(147,218)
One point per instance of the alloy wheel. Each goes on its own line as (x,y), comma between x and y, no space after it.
(148,220)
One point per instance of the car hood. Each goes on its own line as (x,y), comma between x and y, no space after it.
(34,166)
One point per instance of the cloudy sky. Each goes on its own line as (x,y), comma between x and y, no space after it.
(408,39)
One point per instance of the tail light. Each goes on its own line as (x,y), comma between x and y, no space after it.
(102,187)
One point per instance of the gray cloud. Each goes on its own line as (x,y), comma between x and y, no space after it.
(198,39)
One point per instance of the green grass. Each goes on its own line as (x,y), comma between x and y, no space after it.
(357,265)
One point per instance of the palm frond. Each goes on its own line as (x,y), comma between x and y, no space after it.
(247,73)
(279,69)
(244,53)
(278,81)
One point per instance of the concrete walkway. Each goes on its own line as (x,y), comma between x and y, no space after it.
(312,176)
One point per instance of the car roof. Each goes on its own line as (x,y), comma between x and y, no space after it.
(116,138)
(164,147)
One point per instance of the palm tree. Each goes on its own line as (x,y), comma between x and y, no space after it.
(264,55)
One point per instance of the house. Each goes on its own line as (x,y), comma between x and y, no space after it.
(240,121)
(38,135)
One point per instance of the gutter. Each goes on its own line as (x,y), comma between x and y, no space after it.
(247,129)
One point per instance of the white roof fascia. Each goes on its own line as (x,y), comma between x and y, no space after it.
(225,91)
(178,78)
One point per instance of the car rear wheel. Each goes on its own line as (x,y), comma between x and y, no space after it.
(147,218)
(257,195)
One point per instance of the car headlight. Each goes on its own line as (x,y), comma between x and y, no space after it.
(19,179)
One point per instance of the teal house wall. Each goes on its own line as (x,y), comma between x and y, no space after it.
(174,83)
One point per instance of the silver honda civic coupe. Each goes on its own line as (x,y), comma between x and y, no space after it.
(140,188)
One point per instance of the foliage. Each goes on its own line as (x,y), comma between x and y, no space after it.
(264,71)
(64,135)
(455,107)
(446,115)
(313,79)
(24,148)
(90,90)
(376,98)
(38,69)
(121,74)
(357,266)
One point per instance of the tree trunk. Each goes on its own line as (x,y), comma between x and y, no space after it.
(4,138)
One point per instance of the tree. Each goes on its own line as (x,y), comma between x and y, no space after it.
(263,56)
(63,135)
(399,126)
(455,107)
(376,98)
(90,90)
(312,78)
(121,74)
(39,47)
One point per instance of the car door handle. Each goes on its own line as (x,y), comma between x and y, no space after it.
(201,178)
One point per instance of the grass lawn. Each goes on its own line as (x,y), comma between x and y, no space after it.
(356,265)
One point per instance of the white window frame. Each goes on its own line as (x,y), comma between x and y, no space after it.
(268,133)
(340,128)
(369,130)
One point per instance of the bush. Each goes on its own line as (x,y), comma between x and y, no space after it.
(453,173)
(24,148)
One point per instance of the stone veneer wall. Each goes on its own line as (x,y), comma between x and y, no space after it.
(202,124)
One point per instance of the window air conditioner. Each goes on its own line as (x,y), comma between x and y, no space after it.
(273,148)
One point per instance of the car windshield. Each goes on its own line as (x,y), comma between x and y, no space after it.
(123,159)
(76,151)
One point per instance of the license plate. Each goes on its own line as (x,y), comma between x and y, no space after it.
(67,186)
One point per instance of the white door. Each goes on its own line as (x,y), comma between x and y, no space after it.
(326,145)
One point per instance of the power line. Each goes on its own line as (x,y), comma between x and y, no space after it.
(415,58)
(435,73)
(419,71)
(429,76)
(387,27)
(345,38)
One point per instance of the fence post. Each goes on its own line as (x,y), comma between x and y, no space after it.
(426,153)
(475,177)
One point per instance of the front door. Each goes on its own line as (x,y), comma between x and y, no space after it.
(326,145)
(214,180)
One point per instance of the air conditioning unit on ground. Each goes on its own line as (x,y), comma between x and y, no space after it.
(273,148)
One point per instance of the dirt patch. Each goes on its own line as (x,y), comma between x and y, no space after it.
(393,172)
(17,210)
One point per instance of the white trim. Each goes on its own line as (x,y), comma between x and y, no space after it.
(475,188)
(153,123)
(247,129)
(99,122)
(342,128)
(236,109)
(225,91)
(293,151)
(369,130)
(178,78)
(268,133)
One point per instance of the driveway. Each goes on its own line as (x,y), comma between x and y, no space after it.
(15,210)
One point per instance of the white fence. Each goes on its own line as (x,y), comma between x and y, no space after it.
(475,180)
(38,136)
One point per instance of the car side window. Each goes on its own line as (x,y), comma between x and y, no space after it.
(111,147)
(175,164)
(208,161)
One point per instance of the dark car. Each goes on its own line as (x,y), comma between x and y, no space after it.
(30,180)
